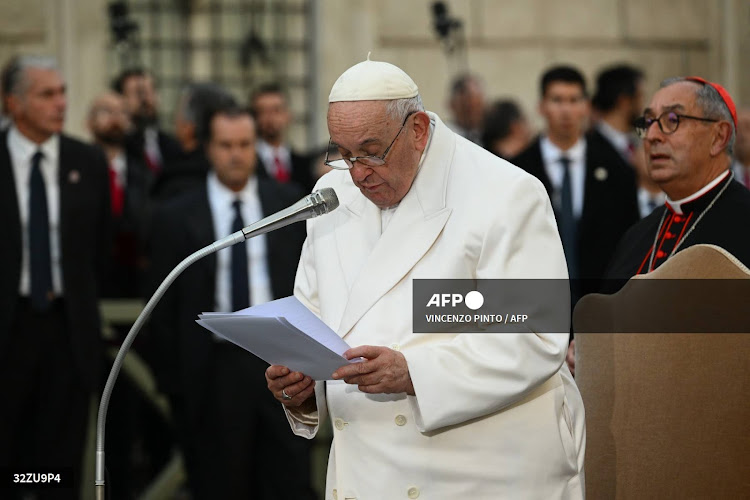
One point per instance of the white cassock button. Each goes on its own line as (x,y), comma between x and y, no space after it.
(339,424)
(395,347)
(335,494)
(413,492)
(400,420)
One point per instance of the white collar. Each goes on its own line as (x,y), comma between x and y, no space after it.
(26,148)
(552,154)
(676,206)
(621,140)
(225,196)
(265,150)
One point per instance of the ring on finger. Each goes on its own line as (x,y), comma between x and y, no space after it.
(285,396)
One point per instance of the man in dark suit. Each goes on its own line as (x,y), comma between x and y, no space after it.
(157,148)
(272,115)
(619,102)
(128,186)
(233,436)
(592,190)
(689,132)
(55,211)
(197,103)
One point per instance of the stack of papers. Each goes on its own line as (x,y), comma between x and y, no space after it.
(282,332)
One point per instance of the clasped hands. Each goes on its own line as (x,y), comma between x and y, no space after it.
(382,371)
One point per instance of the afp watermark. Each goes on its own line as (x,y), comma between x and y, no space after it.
(490,306)
(473,300)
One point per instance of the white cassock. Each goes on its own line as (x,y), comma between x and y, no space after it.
(495,415)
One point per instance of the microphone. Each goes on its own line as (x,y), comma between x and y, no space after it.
(316,204)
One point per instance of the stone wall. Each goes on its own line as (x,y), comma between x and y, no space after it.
(75,32)
(509,43)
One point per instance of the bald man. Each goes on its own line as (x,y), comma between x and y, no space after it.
(129,179)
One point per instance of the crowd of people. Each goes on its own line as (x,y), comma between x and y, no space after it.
(111,219)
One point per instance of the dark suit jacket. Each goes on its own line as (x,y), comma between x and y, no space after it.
(183,349)
(301,171)
(169,147)
(84,244)
(182,174)
(124,277)
(610,204)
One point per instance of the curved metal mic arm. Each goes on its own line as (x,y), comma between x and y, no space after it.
(230,240)
(318,203)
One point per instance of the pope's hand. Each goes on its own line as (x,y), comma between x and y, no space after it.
(384,371)
(298,387)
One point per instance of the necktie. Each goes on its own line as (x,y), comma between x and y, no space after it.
(39,240)
(116,192)
(630,150)
(151,152)
(240,276)
(281,173)
(568,230)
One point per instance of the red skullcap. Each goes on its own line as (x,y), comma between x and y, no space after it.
(722,92)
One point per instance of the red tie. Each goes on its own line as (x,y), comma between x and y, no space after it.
(631,150)
(116,192)
(281,174)
(152,161)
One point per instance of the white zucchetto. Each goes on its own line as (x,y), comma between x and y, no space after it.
(373,81)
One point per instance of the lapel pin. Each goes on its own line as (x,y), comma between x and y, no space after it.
(74,176)
(601,174)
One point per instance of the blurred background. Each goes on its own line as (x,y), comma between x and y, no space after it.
(306,44)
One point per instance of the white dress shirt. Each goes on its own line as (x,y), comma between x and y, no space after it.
(220,199)
(21,152)
(268,155)
(120,166)
(646,198)
(151,146)
(551,155)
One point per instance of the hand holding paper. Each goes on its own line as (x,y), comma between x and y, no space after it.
(282,332)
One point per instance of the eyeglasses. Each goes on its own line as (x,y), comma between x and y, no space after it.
(668,123)
(370,161)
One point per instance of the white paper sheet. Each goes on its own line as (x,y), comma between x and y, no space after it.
(282,332)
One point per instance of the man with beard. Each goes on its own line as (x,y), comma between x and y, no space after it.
(137,424)
(109,125)
(272,115)
(156,147)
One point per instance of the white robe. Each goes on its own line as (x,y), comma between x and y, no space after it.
(495,415)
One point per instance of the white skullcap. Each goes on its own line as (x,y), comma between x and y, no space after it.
(373,81)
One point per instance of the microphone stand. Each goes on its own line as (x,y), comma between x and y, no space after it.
(317,203)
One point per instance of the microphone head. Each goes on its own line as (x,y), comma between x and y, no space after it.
(324,201)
